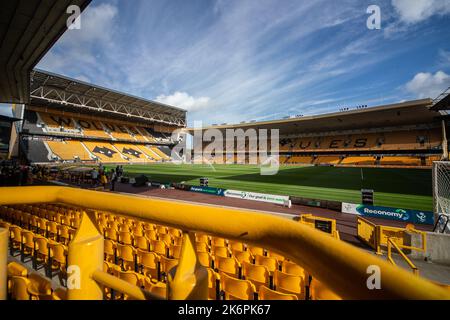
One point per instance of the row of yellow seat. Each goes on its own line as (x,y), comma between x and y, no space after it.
(23,285)
(235,269)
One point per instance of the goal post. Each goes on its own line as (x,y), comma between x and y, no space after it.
(441,193)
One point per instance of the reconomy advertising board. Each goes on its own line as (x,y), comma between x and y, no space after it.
(257,196)
(413,216)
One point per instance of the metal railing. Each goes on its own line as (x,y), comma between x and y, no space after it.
(391,243)
(338,265)
(377,236)
(324,224)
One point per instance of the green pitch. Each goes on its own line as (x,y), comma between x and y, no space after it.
(403,188)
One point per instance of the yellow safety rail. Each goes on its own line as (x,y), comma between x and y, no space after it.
(377,236)
(324,224)
(367,232)
(390,244)
(340,266)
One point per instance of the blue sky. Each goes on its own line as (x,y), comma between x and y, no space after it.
(229,61)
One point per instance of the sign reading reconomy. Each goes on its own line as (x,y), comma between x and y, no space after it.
(257,196)
(413,216)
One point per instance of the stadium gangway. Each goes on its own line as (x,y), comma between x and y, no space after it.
(341,267)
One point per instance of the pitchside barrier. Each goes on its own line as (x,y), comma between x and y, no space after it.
(398,214)
(340,266)
(319,223)
(378,236)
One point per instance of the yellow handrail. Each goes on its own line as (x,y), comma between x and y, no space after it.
(338,265)
(124,287)
(391,243)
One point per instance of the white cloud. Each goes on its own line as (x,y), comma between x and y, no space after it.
(76,48)
(427,85)
(413,11)
(184,101)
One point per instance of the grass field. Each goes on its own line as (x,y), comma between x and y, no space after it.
(403,188)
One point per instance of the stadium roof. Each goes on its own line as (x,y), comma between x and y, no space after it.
(405,113)
(442,102)
(49,89)
(8,119)
(28,29)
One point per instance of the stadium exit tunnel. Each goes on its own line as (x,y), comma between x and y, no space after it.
(340,266)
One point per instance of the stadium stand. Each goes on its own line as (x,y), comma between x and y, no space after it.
(96,135)
(69,150)
(106,152)
(406,134)
(141,253)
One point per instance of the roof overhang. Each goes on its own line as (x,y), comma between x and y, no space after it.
(28,29)
(405,113)
(51,90)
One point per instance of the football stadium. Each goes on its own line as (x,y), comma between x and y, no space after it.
(106,195)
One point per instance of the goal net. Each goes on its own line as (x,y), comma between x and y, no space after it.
(441,195)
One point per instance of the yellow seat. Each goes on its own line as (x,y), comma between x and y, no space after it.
(243,256)
(220,251)
(213,284)
(202,247)
(131,277)
(125,237)
(157,288)
(137,231)
(227,265)
(175,233)
(57,259)
(39,288)
(175,251)
(64,235)
(110,248)
(218,242)
(159,247)
(19,288)
(148,263)
(235,289)
(161,230)
(205,259)
(52,230)
(270,263)
(256,251)
(126,257)
(257,274)
(166,237)
(41,252)
(166,264)
(141,242)
(293,268)
(236,246)
(15,239)
(27,245)
(111,233)
(151,234)
(265,293)
(199,237)
(288,283)
(16,269)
